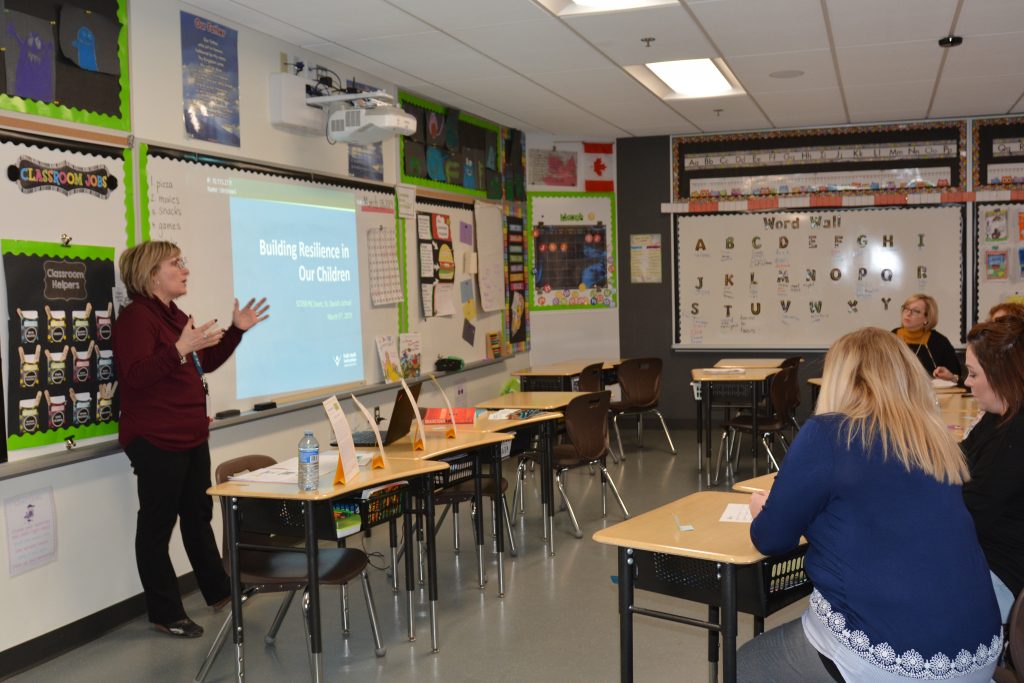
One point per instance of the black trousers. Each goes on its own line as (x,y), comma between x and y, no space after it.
(172,486)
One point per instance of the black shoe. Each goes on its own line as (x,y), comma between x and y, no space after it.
(182,628)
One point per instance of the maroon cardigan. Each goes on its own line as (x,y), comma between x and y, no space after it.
(162,399)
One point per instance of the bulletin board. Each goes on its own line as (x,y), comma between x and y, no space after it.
(83,193)
(571,245)
(460,326)
(799,280)
(999,240)
(67,60)
(180,204)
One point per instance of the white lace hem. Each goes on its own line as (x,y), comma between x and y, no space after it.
(910,664)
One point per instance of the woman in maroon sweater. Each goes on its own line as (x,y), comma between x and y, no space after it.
(161,356)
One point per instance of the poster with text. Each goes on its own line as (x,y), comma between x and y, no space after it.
(61,376)
(571,246)
(209,80)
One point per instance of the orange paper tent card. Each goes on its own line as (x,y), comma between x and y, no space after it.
(348,466)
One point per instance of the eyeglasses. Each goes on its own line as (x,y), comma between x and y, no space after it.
(915,311)
(181,263)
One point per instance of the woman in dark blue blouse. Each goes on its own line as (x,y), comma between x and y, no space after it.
(873,481)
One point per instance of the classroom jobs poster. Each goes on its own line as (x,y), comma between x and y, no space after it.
(60,361)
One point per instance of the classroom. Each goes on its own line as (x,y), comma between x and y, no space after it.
(479,225)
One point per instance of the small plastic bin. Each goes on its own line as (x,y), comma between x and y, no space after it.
(543,383)
(762,588)
(460,469)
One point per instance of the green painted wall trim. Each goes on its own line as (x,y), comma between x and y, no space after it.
(144,190)
(403,306)
(613,277)
(15,442)
(129,198)
(74,115)
(56,250)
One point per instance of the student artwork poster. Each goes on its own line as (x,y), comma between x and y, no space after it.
(571,247)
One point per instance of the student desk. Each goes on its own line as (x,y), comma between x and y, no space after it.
(395,470)
(436,446)
(755,485)
(563,376)
(708,379)
(815,383)
(547,401)
(715,564)
(958,411)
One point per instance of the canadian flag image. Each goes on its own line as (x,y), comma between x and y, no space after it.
(598,166)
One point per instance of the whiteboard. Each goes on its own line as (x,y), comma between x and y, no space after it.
(800,279)
(999,240)
(442,335)
(183,208)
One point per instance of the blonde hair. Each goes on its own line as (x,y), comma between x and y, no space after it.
(140,263)
(931,309)
(873,380)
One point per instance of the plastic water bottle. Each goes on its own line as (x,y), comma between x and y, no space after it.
(309,463)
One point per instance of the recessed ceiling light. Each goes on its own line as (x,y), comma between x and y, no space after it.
(588,6)
(690,78)
(787,73)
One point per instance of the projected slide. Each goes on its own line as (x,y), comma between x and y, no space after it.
(302,256)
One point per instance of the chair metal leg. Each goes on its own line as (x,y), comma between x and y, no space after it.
(218,645)
(568,506)
(394,565)
(724,443)
(508,527)
(618,436)
(615,492)
(640,430)
(771,456)
(671,445)
(455,529)
(279,618)
(308,638)
(346,627)
(615,456)
(379,648)
(604,493)
(518,495)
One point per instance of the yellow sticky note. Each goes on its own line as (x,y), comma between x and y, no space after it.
(469,309)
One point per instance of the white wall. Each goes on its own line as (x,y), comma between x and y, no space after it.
(95,500)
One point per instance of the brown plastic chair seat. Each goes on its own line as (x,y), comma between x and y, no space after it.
(289,570)
(464,491)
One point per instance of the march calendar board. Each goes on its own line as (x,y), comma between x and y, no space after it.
(801,279)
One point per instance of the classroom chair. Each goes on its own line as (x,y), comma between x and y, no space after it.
(592,378)
(783,402)
(1012,669)
(640,382)
(284,570)
(586,425)
(455,486)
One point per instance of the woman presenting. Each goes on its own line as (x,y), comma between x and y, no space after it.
(873,481)
(995,451)
(161,358)
(920,317)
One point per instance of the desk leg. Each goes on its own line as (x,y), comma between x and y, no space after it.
(410,580)
(431,564)
(713,616)
(626,615)
(700,434)
(707,398)
(312,564)
(238,635)
(729,619)
(547,485)
(478,521)
(499,515)
(756,391)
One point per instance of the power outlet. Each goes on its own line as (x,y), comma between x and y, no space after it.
(460,395)
(376,415)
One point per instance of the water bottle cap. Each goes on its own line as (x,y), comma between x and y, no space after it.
(309,433)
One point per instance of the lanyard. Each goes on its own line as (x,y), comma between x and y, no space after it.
(202,375)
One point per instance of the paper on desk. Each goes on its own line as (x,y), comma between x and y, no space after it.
(942,383)
(287,471)
(503,414)
(724,371)
(736,512)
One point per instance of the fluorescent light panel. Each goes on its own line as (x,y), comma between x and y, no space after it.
(589,6)
(692,78)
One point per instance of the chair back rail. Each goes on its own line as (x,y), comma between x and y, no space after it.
(640,381)
(586,424)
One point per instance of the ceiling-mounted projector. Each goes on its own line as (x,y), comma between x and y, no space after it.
(363,118)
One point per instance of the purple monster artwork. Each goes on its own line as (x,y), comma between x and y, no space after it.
(34,73)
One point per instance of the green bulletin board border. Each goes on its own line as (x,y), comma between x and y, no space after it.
(613,276)
(75,115)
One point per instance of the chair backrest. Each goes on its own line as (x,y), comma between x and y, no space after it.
(781,392)
(586,424)
(245,463)
(640,381)
(794,381)
(1016,629)
(592,377)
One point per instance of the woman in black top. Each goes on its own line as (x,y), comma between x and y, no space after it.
(995,451)
(920,316)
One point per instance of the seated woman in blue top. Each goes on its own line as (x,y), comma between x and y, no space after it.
(873,481)
(994,447)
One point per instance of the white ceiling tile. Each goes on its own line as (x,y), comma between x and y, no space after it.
(618,34)
(553,47)
(737,112)
(877,22)
(742,27)
(452,99)
(990,16)
(433,57)
(893,63)
(804,107)
(363,63)
(459,14)
(991,55)
(754,71)
(339,21)
(588,86)
(977,95)
(889,102)
(234,12)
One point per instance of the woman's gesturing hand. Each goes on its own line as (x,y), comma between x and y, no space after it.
(195,338)
(253,312)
